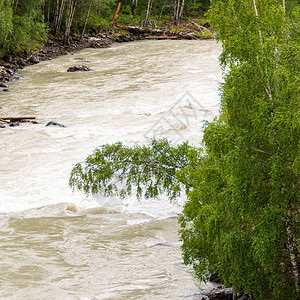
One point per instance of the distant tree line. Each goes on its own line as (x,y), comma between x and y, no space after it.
(24,23)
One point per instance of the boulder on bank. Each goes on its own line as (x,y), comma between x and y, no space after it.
(80,68)
(224,294)
(34,59)
(221,293)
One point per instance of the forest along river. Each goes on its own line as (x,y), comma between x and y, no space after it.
(114,249)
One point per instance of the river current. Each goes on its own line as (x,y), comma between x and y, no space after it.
(59,244)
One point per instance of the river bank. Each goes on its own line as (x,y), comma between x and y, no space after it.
(105,37)
(52,48)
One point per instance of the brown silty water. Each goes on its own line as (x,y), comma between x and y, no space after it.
(56,244)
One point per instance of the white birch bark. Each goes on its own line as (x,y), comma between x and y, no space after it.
(87,18)
(291,248)
(150,2)
(181,10)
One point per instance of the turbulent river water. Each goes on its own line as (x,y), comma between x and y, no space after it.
(56,244)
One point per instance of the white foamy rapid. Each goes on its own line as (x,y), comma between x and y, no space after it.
(137,91)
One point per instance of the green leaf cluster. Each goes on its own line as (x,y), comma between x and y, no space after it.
(115,169)
(21,25)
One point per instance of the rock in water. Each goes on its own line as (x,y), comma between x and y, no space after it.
(14,124)
(79,69)
(4,85)
(52,123)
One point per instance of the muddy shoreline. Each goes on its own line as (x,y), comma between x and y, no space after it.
(53,48)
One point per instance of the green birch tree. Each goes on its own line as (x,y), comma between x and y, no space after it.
(242,218)
(6,24)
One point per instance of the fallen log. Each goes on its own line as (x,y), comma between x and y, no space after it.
(171,37)
(140,30)
(201,28)
(156,33)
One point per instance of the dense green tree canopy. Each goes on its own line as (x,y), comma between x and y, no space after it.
(242,214)
(242,217)
(25,23)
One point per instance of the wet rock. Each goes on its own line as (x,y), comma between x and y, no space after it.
(52,123)
(125,38)
(221,294)
(203,297)
(2,70)
(22,62)
(82,59)
(10,71)
(80,68)
(14,124)
(33,59)
(4,85)
(99,45)
(6,65)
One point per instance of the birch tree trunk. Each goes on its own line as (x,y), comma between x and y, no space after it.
(256,14)
(133,6)
(181,10)
(56,13)
(291,246)
(161,12)
(87,18)
(177,10)
(59,13)
(69,20)
(150,3)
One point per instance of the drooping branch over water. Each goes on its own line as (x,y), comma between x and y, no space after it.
(147,171)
